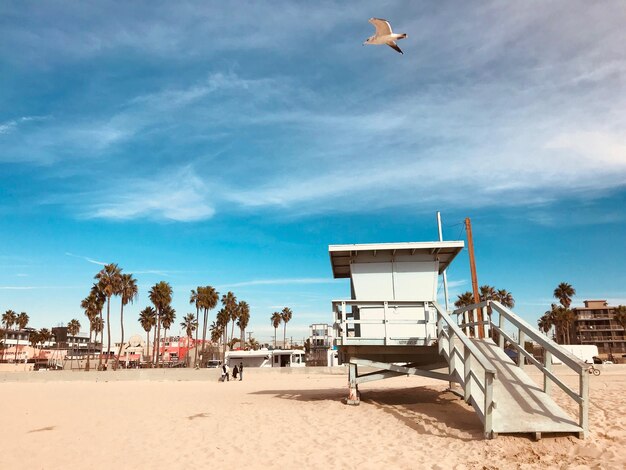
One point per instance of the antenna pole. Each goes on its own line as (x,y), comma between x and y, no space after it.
(470,249)
(445,277)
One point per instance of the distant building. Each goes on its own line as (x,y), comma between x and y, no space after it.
(321,351)
(595,324)
(78,345)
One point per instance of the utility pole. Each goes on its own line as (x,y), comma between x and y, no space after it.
(470,249)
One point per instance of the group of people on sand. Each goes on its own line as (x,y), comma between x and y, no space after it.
(237,372)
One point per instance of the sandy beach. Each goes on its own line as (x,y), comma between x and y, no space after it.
(273,419)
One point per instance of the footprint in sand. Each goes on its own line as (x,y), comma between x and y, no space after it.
(47,428)
(199,415)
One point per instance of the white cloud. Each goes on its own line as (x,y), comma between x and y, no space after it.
(265,282)
(178,196)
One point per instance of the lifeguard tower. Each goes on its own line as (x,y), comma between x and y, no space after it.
(393,325)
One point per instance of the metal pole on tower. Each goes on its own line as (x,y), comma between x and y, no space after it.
(445,277)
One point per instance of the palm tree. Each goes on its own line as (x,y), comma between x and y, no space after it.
(190,324)
(168,315)
(109,283)
(464,300)
(286,315)
(128,291)
(545,323)
(90,306)
(20,322)
(505,298)
(98,328)
(44,336)
(147,319)
(73,327)
(229,301)
(221,325)
(8,318)
(487,293)
(564,293)
(33,339)
(276,319)
(194,298)
(100,299)
(209,298)
(243,318)
(160,296)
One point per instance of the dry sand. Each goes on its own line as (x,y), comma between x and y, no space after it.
(186,419)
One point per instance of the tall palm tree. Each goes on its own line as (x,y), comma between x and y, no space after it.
(20,322)
(276,319)
(8,318)
(109,282)
(545,323)
(168,315)
(209,298)
(160,296)
(73,327)
(100,299)
(564,293)
(190,324)
(487,292)
(464,300)
(221,324)
(90,306)
(243,318)
(194,298)
(229,301)
(505,298)
(147,319)
(44,336)
(33,339)
(128,292)
(286,315)
(98,328)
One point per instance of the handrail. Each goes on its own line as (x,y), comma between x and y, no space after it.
(551,349)
(482,360)
(566,357)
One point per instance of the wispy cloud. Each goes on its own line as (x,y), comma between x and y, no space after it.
(265,282)
(86,258)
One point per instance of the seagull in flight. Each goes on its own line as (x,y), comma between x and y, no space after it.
(384,35)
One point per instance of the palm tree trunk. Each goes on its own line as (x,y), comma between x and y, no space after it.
(147,345)
(88,351)
(117,359)
(16,347)
(101,341)
(106,361)
(158,343)
(195,360)
(275,337)
(204,326)
(285,335)
(153,355)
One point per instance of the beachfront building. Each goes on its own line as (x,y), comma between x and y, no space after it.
(76,346)
(321,348)
(595,324)
(393,325)
(267,358)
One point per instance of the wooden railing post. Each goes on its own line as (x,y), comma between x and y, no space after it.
(522,340)
(583,418)
(474,320)
(547,364)
(467,374)
(488,405)
(486,323)
(501,328)
(451,356)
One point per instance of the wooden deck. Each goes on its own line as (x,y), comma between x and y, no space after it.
(521,405)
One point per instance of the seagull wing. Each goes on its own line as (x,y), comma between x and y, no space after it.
(383,28)
(393,45)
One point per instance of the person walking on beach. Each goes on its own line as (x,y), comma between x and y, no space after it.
(225,372)
(235,371)
(240,371)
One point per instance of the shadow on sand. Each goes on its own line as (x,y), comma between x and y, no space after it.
(423,409)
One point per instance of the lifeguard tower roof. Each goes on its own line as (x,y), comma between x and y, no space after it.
(342,255)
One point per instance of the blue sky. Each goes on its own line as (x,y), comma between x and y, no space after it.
(229,143)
